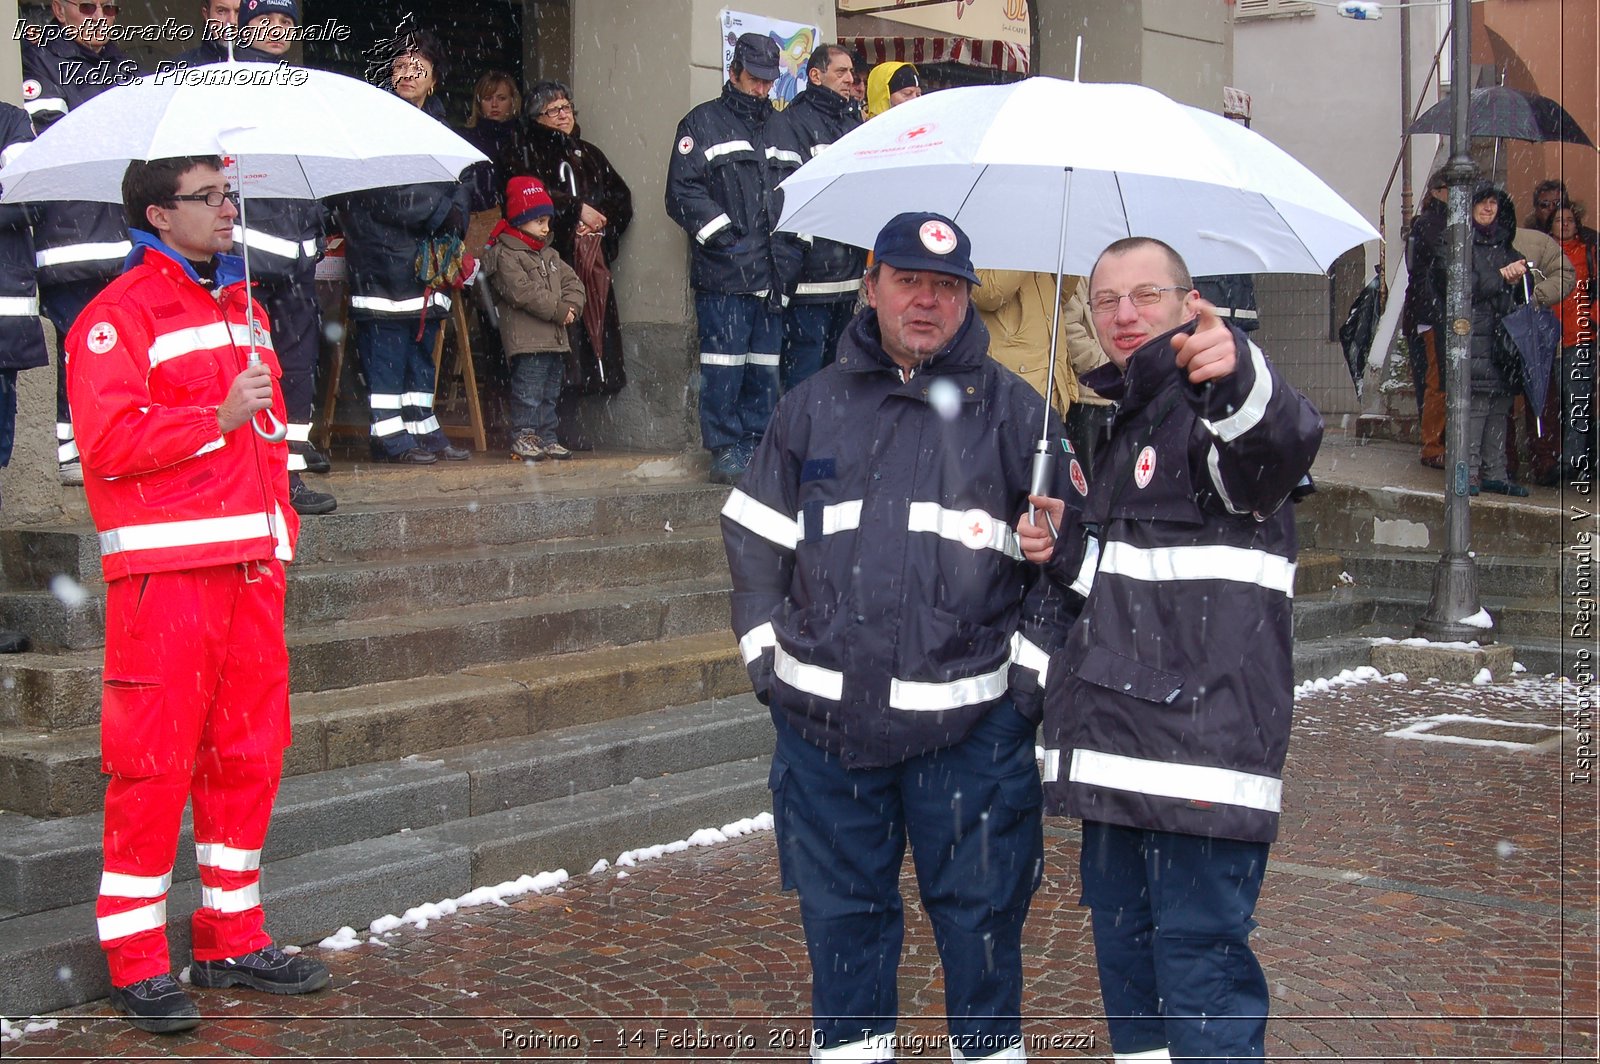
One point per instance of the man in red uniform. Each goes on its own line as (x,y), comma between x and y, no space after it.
(192,507)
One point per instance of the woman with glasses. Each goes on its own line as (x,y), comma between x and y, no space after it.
(391,237)
(593,209)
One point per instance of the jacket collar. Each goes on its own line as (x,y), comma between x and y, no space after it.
(230,268)
(753,109)
(825,100)
(65,49)
(1150,369)
(861,348)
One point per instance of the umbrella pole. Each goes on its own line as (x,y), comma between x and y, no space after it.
(275,431)
(1044,457)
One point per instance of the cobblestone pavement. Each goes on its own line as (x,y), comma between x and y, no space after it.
(1427,900)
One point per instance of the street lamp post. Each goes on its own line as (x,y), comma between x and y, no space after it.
(1455,579)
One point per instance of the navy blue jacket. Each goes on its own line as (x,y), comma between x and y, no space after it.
(1169,706)
(879,596)
(824,271)
(384,229)
(21,333)
(718,191)
(73,241)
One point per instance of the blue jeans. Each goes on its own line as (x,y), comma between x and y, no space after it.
(1172,917)
(399,370)
(739,344)
(972,813)
(811,334)
(535,387)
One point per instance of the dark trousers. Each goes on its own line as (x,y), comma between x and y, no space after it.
(297,338)
(811,334)
(8,414)
(972,813)
(62,303)
(1172,917)
(535,387)
(399,371)
(739,349)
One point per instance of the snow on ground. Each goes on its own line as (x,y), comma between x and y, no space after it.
(419,916)
(14,1032)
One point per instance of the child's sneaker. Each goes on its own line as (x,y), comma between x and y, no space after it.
(553,449)
(528,445)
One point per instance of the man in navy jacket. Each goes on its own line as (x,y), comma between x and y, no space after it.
(890,622)
(1167,719)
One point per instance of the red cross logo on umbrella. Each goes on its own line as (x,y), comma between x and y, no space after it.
(917,132)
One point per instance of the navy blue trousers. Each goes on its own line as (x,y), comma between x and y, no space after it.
(62,303)
(297,338)
(1172,917)
(399,371)
(972,813)
(739,349)
(811,334)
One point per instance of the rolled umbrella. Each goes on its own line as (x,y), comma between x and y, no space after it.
(1534,333)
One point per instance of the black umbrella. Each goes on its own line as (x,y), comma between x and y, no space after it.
(1503,112)
(1535,334)
(1358,329)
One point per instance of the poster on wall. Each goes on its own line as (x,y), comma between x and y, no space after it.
(795,43)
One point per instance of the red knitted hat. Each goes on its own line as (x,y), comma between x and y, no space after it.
(526,200)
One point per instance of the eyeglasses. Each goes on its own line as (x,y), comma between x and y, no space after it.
(88,9)
(1547,204)
(1145,295)
(558,110)
(210,199)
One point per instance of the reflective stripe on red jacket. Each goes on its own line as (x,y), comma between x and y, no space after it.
(149,362)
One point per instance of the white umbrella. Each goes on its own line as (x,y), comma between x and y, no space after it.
(284,133)
(300,134)
(1042,174)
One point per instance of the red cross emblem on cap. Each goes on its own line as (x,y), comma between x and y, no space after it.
(937,237)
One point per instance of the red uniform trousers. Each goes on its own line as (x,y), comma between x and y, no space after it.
(195,702)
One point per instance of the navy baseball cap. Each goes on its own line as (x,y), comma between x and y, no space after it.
(758,54)
(922,240)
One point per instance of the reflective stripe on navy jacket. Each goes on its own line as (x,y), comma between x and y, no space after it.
(73,241)
(828,271)
(717,190)
(21,334)
(1175,689)
(880,599)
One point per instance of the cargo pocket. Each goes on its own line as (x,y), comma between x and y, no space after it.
(132,716)
(1110,670)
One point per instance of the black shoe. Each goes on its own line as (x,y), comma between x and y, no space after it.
(316,461)
(308,501)
(13,642)
(157,1005)
(453,454)
(269,969)
(415,456)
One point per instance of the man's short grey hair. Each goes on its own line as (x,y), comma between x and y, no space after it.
(1180,269)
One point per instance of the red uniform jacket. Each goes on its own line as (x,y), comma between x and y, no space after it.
(149,361)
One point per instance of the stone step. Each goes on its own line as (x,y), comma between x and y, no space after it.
(54,774)
(53,691)
(48,863)
(405,584)
(53,961)
(1396,425)
(1317,570)
(399,525)
(1398,610)
(1329,656)
(1510,576)
(1344,517)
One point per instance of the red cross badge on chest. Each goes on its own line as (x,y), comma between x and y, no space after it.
(1144,469)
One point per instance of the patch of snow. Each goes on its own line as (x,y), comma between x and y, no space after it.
(600,866)
(1483,676)
(1517,666)
(342,939)
(1346,578)
(14,1032)
(1418,641)
(1346,678)
(1481,619)
(703,837)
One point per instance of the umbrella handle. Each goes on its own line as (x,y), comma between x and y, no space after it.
(275,430)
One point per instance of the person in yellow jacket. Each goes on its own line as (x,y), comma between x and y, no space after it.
(891,84)
(1015,305)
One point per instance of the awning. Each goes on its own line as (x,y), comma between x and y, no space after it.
(993,55)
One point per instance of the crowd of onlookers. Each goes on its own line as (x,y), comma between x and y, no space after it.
(1550,264)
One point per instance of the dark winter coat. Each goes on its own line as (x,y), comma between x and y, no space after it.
(1493,297)
(488,180)
(73,241)
(819,270)
(384,228)
(879,595)
(718,190)
(1234,296)
(1169,707)
(21,332)
(540,151)
(1427,264)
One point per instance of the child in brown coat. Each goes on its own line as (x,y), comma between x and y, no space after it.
(538,296)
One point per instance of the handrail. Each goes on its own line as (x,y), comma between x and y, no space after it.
(1405,146)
